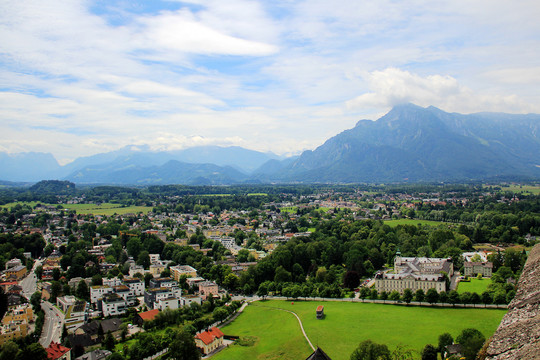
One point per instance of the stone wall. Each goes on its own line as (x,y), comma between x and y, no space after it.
(518,335)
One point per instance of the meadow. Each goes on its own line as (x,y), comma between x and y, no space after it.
(346,325)
(531,189)
(474,285)
(107,209)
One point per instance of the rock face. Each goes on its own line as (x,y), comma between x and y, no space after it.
(518,335)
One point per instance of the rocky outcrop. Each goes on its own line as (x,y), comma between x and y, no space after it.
(518,335)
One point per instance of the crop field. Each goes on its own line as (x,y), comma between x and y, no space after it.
(531,189)
(475,285)
(413,222)
(95,209)
(345,325)
(106,209)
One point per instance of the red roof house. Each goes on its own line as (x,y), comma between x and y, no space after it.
(143,317)
(56,351)
(209,340)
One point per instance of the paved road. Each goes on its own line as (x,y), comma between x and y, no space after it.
(54,323)
(29,283)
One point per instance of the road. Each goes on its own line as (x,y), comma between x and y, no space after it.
(29,283)
(54,323)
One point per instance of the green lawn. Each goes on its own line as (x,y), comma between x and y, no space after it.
(276,333)
(413,222)
(346,325)
(475,285)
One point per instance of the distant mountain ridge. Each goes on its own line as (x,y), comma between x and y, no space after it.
(409,143)
(412,143)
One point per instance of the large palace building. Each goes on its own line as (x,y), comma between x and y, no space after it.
(415,273)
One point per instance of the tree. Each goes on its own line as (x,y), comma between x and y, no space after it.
(115,356)
(368,350)
(263,290)
(486,297)
(35,300)
(219,314)
(432,296)
(407,295)
(364,292)
(108,342)
(351,279)
(453,297)
(419,295)
(82,290)
(143,259)
(9,351)
(56,290)
(33,351)
(183,346)
(429,352)
(471,341)
(282,275)
(444,340)
(394,295)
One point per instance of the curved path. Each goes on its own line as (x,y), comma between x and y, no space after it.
(299,322)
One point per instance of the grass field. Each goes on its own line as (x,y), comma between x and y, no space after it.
(413,222)
(101,209)
(523,188)
(106,209)
(475,285)
(346,325)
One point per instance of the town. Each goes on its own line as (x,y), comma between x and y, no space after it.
(95,273)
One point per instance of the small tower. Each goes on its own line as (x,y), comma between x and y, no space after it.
(397,261)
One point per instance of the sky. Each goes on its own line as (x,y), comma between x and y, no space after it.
(82,77)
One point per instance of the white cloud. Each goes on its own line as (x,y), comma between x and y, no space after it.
(393,86)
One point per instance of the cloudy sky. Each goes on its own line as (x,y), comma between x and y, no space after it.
(83,77)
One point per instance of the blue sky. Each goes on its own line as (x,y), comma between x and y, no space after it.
(82,77)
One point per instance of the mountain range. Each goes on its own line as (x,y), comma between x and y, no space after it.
(409,143)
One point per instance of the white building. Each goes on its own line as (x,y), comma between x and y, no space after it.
(98,291)
(172,303)
(415,273)
(112,305)
(136,285)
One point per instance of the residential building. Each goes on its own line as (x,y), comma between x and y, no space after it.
(112,282)
(76,315)
(475,268)
(143,317)
(179,270)
(112,305)
(58,352)
(172,303)
(206,288)
(13,263)
(63,302)
(186,300)
(136,285)
(156,269)
(16,273)
(209,340)
(98,291)
(98,354)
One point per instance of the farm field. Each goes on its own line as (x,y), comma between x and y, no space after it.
(475,285)
(95,209)
(347,324)
(106,209)
(531,189)
(413,222)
